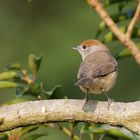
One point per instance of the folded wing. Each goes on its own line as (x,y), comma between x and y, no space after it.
(95,65)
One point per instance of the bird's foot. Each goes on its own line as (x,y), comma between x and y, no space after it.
(86,98)
(109,102)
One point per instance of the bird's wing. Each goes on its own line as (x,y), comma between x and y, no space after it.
(95,65)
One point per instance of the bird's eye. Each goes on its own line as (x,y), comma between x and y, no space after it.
(84,46)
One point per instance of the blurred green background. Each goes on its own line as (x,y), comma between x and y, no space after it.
(54,27)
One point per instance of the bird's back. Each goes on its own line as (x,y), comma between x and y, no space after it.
(97,64)
(96,70)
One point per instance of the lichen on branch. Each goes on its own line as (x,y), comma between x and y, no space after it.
(69,110)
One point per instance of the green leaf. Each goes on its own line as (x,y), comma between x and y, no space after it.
(116,132)
(73,124)
(34,63)
(53,90)
(8,75)
(119,132)
(35,88)
(20,90)
(3,136)
(29,129)
(116,18)
(83,125)
(121,5)
(125,53)
(34,136)
(96,129)
(136,32)
(102,26)
(108,37)
(110,2)
(8,84)
(14,66)
(111,131)
(14,101)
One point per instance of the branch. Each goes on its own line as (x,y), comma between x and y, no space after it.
(133,22)
(115,29)
(44,111)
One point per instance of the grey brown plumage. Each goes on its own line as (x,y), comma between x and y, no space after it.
(97,72)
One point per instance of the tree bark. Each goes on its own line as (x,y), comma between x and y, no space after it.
(69,110)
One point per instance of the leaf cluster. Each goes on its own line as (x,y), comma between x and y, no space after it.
(125,10)
(24,81)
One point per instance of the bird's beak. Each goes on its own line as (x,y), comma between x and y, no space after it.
(76,48)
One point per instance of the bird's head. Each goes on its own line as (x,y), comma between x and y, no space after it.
(89,46)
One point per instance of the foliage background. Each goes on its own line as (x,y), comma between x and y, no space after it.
(54,27)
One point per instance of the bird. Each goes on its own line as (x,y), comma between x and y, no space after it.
(98,70)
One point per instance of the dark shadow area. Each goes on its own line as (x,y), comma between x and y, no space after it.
(89,106)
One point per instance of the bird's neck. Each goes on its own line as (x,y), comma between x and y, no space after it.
(93,52)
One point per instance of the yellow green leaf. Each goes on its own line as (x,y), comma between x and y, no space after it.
(8,75)
(8,84)
(34,62)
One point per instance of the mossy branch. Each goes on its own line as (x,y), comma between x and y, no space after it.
(69,110)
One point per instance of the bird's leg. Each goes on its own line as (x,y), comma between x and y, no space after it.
(85,105)
(109,100)
(86,96)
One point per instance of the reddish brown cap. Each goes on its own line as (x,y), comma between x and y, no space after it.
(91,42)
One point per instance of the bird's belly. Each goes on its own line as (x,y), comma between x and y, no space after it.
(100,84)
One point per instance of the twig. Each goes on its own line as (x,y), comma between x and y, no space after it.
(81,132)
(60,110)
(115,29)
(69,133)
(91,135)
(101,137)
(133,22)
